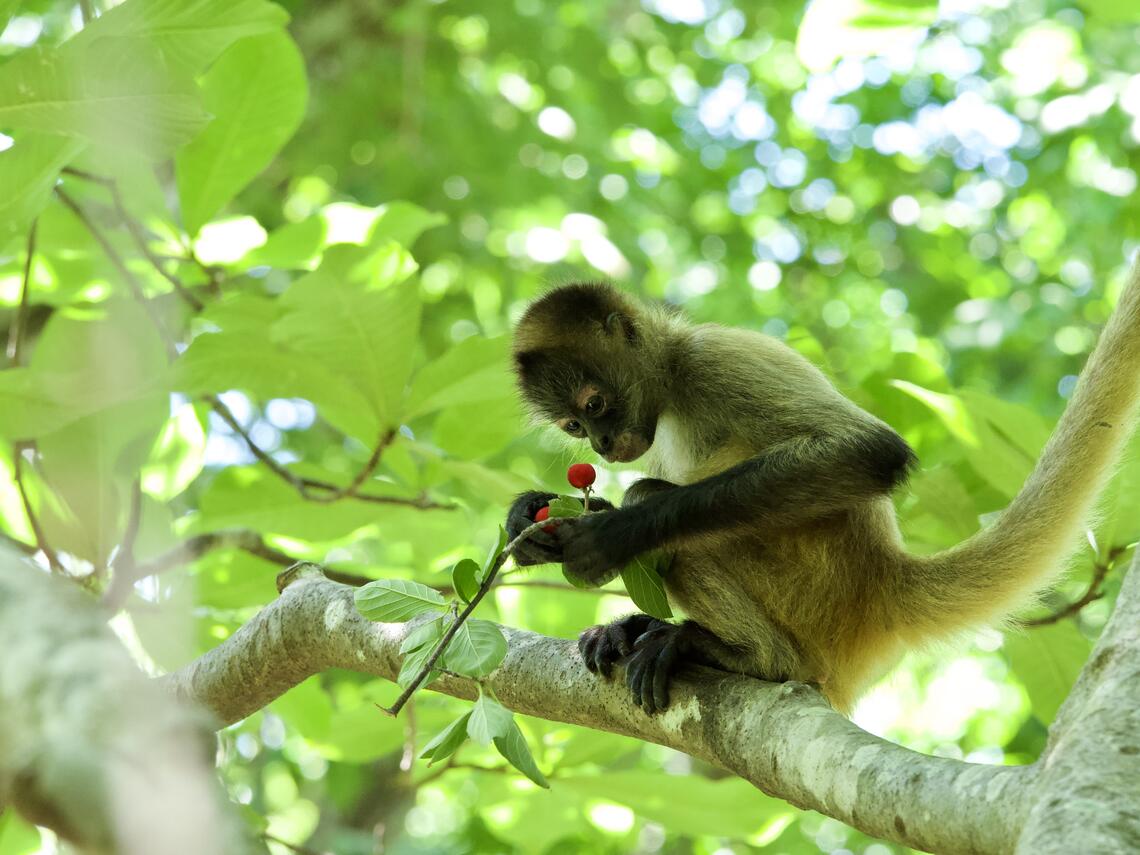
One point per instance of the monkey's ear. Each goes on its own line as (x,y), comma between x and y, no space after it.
(529,365)
(619,323)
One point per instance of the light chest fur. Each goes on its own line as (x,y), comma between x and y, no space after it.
(671,455)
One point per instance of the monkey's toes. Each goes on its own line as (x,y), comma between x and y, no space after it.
(650,668)
(601,647)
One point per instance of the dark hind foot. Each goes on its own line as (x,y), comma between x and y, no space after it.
(656,655)
(602,646)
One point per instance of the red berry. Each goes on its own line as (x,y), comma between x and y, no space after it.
(581,475)
(541,514)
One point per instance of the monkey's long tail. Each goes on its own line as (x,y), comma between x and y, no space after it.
(996,571)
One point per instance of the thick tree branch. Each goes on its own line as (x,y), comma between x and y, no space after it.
(88,746)
(784,739)
(1089,799)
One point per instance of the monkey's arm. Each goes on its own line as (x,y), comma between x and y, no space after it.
(792,483)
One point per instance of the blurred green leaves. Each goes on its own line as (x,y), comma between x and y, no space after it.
(250,124)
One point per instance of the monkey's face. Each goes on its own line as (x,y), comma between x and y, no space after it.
(619,425)
(580,363)
(595,413)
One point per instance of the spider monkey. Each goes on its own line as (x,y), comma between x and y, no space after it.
(771,496)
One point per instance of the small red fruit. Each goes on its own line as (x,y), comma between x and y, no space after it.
(541,514)
(581,475)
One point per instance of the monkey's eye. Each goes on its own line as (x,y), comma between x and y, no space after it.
(595,405)
(572,427)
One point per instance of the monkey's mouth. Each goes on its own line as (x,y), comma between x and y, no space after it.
(628,446)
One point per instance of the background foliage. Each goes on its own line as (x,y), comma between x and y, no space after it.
(307,227)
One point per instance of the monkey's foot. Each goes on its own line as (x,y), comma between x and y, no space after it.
(656,655)
(602,646)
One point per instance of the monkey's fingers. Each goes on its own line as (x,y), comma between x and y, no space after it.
(539,548)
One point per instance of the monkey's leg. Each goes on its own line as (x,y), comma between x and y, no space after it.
(602,646)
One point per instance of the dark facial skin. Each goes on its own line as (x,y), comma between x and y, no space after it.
(595,414)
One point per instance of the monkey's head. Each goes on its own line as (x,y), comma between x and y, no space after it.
(581,356)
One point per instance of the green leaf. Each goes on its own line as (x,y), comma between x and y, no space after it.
(245,359)
(513,747)
(429,632)
(465,579)
(489,719)
(17,837)
(496,551)
(474,371)
(91,461)
(7,10)
(365,335)
(256,92)
(476,431)
(565,506)
(190,33)
(1112,11)
(293,246)
(121,93)
(447,741)
(177,456)
(642,579)
(413,664)
(28,172)
(686,804)
(307,709)
(402,222)
(395,600)
(1047,660)
(477,648)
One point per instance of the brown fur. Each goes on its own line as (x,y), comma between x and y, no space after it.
(829,595)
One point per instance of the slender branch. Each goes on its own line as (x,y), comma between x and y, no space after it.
(1092,593)
(441,646)
(784,739)
(358,479)
(16,332)
(120,265)
(330,492)
(137,234)
(37,530)
(126,553)
(86,11)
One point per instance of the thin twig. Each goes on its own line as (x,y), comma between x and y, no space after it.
(86,11)
(441,646)
(330,492)
(18,476)
(358,479)
(1092,593)
(121,266)
(137,234)
(16,332)
(126,552)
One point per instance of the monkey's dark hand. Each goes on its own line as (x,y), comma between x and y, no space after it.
(596,548)
(602,646)
(540,547)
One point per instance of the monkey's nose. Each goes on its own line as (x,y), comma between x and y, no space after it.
(604,444)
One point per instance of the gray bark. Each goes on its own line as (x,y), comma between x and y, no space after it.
(1088,797)
(89,746)
(784,739)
